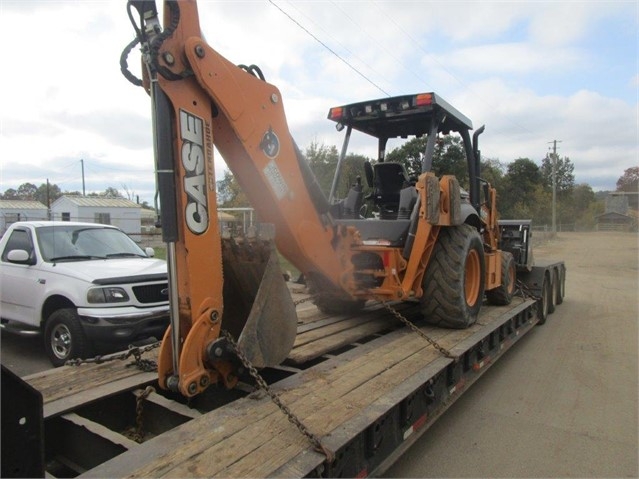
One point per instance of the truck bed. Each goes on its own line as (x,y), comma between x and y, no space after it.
(364,384)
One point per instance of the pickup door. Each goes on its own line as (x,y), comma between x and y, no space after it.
(22,288)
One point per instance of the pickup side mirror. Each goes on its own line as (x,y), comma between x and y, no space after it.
(150,252)
(20,256)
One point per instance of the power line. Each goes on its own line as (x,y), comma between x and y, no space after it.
(330,49)
(381,46)
(337,41)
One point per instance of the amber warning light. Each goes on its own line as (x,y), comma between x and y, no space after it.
(424,99)
(336,113)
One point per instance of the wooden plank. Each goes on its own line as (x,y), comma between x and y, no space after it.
(333,329)
(323,345)
(88,395)
(55,384)
(100,430)
(321,337)
(66,388)
(170,405)
(329,329)
(313,400)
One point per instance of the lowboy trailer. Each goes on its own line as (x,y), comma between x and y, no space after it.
(364,386)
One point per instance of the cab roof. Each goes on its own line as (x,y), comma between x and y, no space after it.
(401,116)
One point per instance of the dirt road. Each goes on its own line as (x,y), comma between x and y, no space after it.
(563,402)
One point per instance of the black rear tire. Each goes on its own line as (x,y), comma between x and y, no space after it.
(453,283)
(64,338)
(554,289)
(561,286)
(503,294)
(544,301)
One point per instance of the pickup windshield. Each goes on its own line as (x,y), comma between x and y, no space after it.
(82,243)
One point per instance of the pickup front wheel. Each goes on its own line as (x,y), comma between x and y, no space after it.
(64,338)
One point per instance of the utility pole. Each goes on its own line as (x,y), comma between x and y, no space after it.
(48,201)
(554,186)
(83,189)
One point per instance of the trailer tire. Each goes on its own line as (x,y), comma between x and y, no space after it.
(453,284)
(503,294)
(543,302)
(64,338)
(554,287)
(561,285)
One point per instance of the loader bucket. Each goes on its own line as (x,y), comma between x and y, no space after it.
(258,308)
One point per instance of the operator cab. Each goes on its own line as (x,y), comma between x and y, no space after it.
(393,196)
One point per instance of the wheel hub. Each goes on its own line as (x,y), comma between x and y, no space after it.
(61,341)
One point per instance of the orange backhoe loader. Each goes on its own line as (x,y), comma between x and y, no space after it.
(429,241)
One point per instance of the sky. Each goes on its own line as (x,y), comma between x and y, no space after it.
(531,71)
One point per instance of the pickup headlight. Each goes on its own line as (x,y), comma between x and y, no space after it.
(107,295)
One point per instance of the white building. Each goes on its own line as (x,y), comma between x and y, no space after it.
(20,210)
(120,212)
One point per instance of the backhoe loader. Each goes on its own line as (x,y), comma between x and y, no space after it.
(429,241)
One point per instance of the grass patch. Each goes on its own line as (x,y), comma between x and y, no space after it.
(160,252)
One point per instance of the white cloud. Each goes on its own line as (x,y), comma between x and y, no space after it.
(518,58)
(598,133)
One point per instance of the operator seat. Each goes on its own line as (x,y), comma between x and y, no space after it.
(388,181)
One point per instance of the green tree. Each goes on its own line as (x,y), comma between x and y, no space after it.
(352,168)
(524,176)
(521,188)
(537,206)
(323,160)
(582,204)
(564,174)
(629,181)
(449,157)
(112,192)
(51,191)
(492,171)
(410,154)
(10,194)
(229,192)
(27,191)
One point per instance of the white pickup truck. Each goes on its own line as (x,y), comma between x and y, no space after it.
(85,286)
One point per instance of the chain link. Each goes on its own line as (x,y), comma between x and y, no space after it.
(138,435)
(304,300)
(525,292)
(313,439)
(445,352)
(145,365)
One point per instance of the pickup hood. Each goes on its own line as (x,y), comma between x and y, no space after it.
(104,271)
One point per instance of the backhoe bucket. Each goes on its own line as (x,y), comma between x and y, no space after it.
(258,308)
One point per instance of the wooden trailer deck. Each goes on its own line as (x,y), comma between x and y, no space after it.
(337,398)
(66,388)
